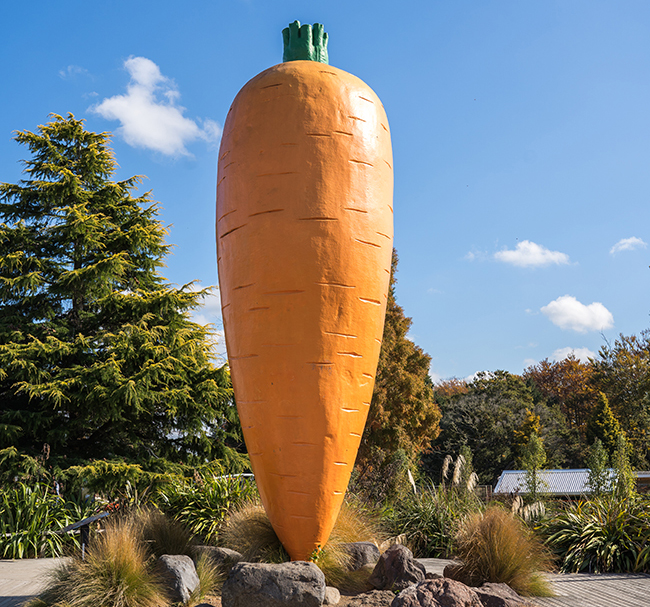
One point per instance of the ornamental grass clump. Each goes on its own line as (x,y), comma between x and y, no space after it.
(249,531)
(117,572)
(163,534)
(495,547)
(119,569)
(430,517)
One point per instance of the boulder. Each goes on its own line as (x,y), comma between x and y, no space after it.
(374,598)
(391,541)
(500,595)
(397,569)
(458,572)
(332,596)
(178,574)
(295,584)
(437,593)
(361,554)
(223,558)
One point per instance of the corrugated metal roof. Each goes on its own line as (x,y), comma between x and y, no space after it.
(556,482)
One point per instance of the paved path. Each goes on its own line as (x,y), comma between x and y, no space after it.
(21,580)
(605,590)
(584,589)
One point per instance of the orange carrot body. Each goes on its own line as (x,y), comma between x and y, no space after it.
(304,242)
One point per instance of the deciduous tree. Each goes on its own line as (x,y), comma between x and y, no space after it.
(567,383)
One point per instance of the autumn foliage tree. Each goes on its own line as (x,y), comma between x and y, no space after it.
(569,384)
(98,355)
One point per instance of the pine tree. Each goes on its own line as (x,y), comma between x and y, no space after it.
(533,460)
(625,479)
(403,415)
(604,426)
(529,426)
(98,356)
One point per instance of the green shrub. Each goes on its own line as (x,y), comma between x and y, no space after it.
(604,534)
(495,547)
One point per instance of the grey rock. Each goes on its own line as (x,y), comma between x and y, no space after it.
(397,570)
(458,572)
(374,598)
(500,595)
(224,558)
(295,584)
(361,554)
(332,596)
(437,593)
(179,576)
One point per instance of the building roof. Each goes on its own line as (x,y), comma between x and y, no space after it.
(556,482)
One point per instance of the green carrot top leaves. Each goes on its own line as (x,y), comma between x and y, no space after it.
(305,42)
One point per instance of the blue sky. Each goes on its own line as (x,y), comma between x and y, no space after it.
(521,142)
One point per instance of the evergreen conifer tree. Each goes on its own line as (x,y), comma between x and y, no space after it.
(600,478)
(533,460)
(98,355)
(625,481)
(403,414)
(603,425)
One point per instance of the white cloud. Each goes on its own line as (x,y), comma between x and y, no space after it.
(582,354)
(567,312)
(149,113)
(72,71)
(628,244)
(476,255)
(529,254)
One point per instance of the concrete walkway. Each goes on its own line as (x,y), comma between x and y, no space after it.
(21,580)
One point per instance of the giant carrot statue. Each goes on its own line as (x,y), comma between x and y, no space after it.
(304,242)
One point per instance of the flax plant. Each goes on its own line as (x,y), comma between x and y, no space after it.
(202,504)
(606,534)
(30,517)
